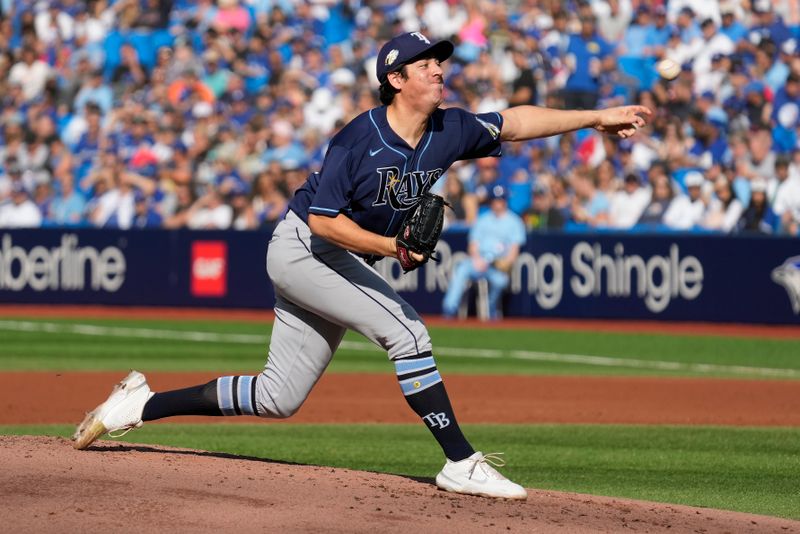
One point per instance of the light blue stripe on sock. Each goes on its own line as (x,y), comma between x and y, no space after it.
(243,393)
(225,395)
(420,383)
(409,366)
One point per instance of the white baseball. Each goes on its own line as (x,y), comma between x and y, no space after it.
(668,69)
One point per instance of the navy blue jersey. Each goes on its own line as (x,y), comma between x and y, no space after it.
(371,175)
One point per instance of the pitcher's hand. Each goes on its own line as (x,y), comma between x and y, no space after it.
(622,121)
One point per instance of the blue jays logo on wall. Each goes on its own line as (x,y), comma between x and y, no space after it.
(402,193)
(788,275)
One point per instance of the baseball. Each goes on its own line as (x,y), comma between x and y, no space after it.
(668,69)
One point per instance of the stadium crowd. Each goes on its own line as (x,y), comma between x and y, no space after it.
(209,114)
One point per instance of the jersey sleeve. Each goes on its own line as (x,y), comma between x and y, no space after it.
(480,135)
(335,188)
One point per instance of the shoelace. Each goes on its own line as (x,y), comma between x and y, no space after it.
(493,459)
(120,434)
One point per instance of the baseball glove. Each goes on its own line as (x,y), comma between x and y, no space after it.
(421,231)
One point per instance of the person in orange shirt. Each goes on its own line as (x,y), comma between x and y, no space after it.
(189,87)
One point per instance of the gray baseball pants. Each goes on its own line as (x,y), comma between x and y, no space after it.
(321,291)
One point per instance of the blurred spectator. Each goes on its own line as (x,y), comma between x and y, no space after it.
(589,205)
(243,214)
(52,24)
(42,197)
(113,205)
(658,33)
(216,76)
(210,212)
(634,43)
(240,111)
(765,25)
(494,244)
(230,16)
(588,55)
(187,89)
(520,187)
(653,214)
(19,211)
(724,209)
(544,215)
(129,74)
(151,14)
(524,89)
(34,153)
(464,206)
(613,18)
(687,210)
(758,217)
(787,197)
(269,203)
(628,204)
(68,205)
(606,179)
(144,216)
(730,25)
(95,90)
(760,161)
(30,74)
(93,24)
(178,215)
(320,112)
(686,19)
(712,43)
(788,94)
(562,197)
(564,158)
(486,175)
(709,147)
(283,147)
(87,148)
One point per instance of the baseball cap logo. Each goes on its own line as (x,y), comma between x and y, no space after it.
(391,56)
(421,37)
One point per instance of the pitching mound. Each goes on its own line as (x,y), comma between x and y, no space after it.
(49,487)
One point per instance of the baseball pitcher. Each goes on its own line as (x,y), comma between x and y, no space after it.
(369,200)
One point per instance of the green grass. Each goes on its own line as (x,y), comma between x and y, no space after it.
(59,347)
(753,470)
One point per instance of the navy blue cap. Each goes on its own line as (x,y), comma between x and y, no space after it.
(239,188)
(498,191)
(237,96)
(407,48)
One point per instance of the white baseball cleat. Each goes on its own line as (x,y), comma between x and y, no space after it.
(122,410)
(476,476)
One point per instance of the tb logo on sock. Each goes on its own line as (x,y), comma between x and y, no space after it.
(437,420)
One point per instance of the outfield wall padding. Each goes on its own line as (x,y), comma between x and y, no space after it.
(605,275)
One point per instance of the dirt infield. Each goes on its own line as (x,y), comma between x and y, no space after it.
(49,487)
(375,398)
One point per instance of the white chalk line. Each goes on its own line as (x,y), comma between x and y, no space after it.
(455,352)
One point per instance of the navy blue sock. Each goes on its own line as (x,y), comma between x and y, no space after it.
(227,395)
(424,391)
